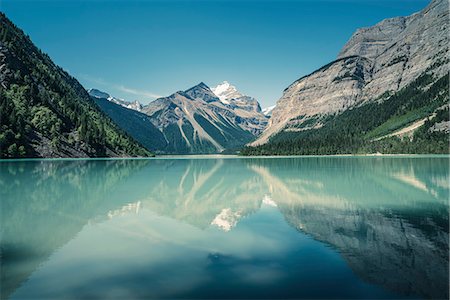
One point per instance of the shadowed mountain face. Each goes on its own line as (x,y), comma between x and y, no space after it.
(138,125)
(239,227)
(197,121)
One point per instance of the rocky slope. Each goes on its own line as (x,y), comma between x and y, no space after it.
(197,121)
(243,106)
(376,61)
(44,112)
(229,95)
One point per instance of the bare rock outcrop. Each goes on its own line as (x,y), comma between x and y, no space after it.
(376,60)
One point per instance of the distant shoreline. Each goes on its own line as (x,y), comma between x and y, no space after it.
(226,156)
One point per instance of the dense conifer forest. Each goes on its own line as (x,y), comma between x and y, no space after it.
(44,112)
(361,130)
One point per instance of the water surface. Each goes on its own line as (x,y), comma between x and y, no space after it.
(310,227)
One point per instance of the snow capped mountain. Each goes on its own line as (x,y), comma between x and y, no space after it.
(194,121)
(229,95)
(225,91)
(268,110)
(198,121)
(135,105)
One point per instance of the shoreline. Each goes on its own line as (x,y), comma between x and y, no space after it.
(226,156)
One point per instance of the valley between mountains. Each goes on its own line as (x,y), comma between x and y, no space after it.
(386,92)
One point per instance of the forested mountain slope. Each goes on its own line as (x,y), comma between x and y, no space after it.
(136,124)
(386,78)
(44,112)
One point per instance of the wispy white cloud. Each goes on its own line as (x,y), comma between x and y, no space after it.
(138,92)
(146,95)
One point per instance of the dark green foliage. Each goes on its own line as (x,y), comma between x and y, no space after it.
(136,124)
(46,112)
(230,136)
(354,131)
(424,141)
(210,129)
(178,144)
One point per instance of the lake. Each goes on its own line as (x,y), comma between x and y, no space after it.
(231,227)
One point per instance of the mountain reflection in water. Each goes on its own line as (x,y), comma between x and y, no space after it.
(313,227)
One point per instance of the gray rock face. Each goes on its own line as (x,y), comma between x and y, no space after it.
(443,126)
(370,41)
(247,108)
(229,95)
(378,59)
(202,92)
(197,121)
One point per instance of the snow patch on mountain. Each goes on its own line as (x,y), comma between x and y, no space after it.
(225,91)
(98,94)
(268,110)
(135,105)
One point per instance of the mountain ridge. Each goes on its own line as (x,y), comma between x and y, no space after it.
(197,121)
(45,112)
(95,93)
(374,64)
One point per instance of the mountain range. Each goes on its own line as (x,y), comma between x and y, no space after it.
(387,81)
(136,105)
(387,91)
(197,120)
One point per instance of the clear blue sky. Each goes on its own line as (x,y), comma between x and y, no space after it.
(145,49)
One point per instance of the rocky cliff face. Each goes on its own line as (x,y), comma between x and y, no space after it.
(245,107)
(229,95)
(376,60)
(198,121)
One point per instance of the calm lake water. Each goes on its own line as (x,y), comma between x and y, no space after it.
(311,227)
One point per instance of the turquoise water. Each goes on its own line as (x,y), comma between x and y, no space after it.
(311,227)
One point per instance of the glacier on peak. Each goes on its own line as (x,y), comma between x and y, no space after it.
(226,92)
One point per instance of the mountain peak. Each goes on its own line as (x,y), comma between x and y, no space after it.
(97,93)
(225,91)
(202,85)
(201,91)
